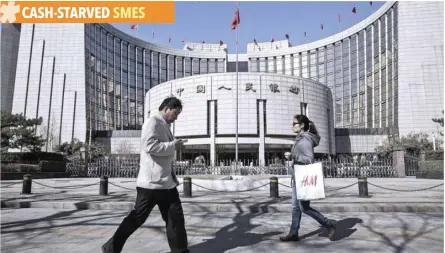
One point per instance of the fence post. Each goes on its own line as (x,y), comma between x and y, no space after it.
(363,187)
(103,187)
(398,157)
(274,187)
(187,187)
(27,182)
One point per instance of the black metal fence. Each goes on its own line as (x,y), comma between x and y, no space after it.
(129,167)
(352,168)
(411,165)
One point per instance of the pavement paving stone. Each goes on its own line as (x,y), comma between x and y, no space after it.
(84,231)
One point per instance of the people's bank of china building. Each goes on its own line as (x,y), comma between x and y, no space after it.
(379,79)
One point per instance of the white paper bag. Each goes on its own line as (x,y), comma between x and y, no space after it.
(309,181)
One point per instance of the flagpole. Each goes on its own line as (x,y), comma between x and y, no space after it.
(236,129)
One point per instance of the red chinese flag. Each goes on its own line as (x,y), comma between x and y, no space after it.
(134,27)
(236,20)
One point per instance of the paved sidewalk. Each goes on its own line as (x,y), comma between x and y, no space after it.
(31,230)
(386,195)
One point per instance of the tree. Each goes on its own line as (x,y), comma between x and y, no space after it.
(412,143)
(439,121)
(75,148)
(96,150)
(71,149)
(19,132)
(53,133)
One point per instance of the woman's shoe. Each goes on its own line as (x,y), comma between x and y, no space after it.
(331,230)
(290,238)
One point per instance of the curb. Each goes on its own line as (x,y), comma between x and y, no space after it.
(413,207)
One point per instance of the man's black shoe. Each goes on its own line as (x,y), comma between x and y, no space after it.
(290,238)
(107,247)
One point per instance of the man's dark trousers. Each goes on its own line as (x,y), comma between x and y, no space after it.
(171,210)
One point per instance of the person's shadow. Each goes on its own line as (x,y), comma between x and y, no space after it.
(236,234)
(344,229)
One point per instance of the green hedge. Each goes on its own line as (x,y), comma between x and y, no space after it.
(434,155)
(436,165)
(18,167)
(31,157)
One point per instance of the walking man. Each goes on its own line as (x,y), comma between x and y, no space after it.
(156,182)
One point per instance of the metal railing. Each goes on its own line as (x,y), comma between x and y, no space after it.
(411,165)
(129,167)
(351,168)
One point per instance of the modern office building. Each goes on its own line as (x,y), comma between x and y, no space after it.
(384,77)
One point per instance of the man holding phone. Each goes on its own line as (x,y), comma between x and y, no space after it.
(156,182)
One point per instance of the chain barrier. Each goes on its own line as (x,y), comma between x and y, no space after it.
(330,190)
(6,186)
(397,190)
(66,187)
(231,191)
(285,185)
(71,186)
(121,186)
(341,188)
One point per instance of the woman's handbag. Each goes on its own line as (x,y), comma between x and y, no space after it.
(309,181)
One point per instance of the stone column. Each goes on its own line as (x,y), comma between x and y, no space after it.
(262,146)
(212,133)
(398,158)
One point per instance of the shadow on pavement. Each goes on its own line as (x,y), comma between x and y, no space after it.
(345,228)
(407,233)
(237,234)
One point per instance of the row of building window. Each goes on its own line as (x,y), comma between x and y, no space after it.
(351,67)
(119,74)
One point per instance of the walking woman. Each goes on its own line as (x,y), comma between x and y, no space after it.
(303,153)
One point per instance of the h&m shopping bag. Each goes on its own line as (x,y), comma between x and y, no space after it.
(309,181)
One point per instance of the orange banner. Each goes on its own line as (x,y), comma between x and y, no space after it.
(87,12)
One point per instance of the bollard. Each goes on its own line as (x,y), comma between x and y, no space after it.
(363,187)
(187,187)
(103,187)
(274,187)
(27,182)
